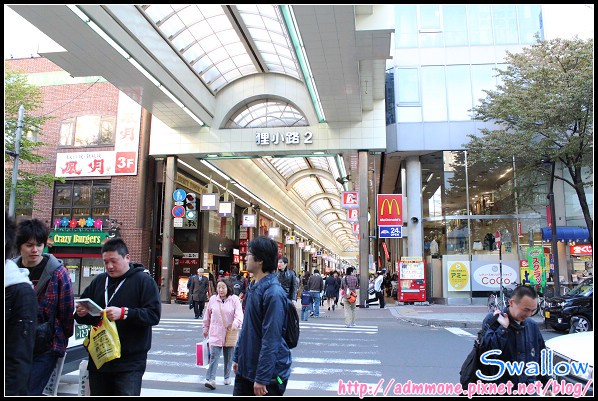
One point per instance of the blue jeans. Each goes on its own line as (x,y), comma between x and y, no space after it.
(41,370)
(305,309)
(315,300)
(115,383)
(215,352)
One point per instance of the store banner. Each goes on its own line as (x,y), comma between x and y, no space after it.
(536,272)
(459,275)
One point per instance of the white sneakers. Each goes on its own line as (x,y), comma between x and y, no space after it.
(211,384)
(226,382)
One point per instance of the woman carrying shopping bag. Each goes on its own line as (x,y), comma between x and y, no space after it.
(221,323)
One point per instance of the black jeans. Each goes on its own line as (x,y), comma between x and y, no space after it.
(245,387)
(380,296)
(198,308)
(115,383)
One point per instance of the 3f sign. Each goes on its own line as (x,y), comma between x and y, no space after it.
(390,209)
(125,163)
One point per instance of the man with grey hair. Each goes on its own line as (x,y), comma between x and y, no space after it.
(199,292)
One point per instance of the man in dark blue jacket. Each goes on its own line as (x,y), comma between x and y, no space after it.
(131,298)
(262,359)
(516,335)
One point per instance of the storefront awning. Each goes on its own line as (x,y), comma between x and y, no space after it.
(176,251)
(577,234)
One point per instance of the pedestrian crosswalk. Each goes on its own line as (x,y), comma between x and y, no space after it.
(327,351)
(318,361)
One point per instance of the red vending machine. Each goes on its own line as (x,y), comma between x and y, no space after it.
(412,279)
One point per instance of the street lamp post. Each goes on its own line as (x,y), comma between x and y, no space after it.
(555,250)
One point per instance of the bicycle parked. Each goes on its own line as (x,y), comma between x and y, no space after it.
(495,301)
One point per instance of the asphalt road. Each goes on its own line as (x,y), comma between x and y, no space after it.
(383,350)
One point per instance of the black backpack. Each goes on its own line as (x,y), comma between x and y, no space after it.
(472,363)
(291,329)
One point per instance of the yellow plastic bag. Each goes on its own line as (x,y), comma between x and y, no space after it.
(103,343)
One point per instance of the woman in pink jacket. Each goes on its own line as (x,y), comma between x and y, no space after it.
(224,310)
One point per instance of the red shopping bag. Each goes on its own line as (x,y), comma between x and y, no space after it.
(202,353)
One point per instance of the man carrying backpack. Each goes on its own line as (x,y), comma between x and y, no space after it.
(238,283)
(262,358)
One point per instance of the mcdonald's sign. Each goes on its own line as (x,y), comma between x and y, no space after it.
(390,209)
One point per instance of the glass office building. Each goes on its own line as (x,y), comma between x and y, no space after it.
(444,57)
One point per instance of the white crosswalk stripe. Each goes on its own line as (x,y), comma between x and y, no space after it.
(316,362)
(460,332)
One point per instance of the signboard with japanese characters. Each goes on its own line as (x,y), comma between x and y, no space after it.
(289,138)
(249,220)
(349,200)
(96,164)
(352,215)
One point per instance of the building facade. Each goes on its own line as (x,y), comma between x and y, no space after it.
(444,57)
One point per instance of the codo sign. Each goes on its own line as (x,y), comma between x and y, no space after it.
(487,277)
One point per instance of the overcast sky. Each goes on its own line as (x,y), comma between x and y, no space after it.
(21,39)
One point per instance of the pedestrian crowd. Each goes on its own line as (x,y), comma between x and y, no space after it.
(244,314)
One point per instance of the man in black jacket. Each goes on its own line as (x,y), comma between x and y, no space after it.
(287,278)
(131,298)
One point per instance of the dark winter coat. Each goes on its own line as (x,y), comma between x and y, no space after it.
(199,288)
(288,282)
(261,352)
(139,292)
(518,343)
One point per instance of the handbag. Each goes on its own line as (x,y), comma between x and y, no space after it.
(230,340)
(44,332)
(350,295)
(202,353)
(103,343)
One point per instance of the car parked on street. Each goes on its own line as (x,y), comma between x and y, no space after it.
(578,303)
(577,351)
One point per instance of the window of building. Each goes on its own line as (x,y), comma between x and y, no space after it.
(390,97)
(504,19)
(408,86)
(455,25)
(529,22)
(434,93)
(430,26)
(458,87)
(482,77)
(406,32)
(82,199)
(479,18)
(90,130)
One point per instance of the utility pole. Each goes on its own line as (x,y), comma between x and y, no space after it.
(15,169)
(555,244)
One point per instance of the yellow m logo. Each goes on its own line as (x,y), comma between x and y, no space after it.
(390,203)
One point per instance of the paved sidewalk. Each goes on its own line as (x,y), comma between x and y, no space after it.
(463,316)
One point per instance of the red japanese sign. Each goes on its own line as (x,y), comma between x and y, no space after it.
(350,200)
(583,249)
(352,215)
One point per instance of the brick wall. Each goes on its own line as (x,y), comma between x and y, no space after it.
(72,100)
